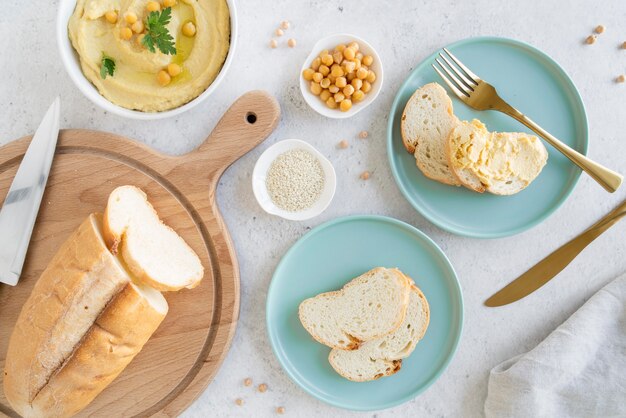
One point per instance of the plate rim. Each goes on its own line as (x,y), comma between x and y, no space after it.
(458,291)
(578,100)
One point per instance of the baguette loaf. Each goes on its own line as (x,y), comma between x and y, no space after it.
(154,253)
(383,356)
(368,307)
(82,324)
(425,126)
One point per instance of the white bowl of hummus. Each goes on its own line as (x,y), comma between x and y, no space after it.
(147,59)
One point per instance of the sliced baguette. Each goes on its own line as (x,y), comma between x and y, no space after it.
(368,307)
(155,254)
(501,163)
(425,126)
(82,324)
(463,148)
(383,357)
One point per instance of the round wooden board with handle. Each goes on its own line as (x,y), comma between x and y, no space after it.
(182,357)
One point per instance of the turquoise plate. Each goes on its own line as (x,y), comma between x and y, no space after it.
(529,80)
(327,258)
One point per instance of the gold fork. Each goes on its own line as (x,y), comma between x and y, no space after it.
(480,95)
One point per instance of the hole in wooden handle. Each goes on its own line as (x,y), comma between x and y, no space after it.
(251,118)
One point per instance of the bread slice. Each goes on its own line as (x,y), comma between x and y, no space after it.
(425,126)
(502,163)
(463,148)
(155,254)
(82,324)
(368,307)
(383,357)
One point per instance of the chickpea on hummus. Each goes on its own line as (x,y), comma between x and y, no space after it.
(151,55)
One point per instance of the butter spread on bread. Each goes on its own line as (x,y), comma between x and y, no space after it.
(383,356)
(502,163)
(368,307)
(88,315)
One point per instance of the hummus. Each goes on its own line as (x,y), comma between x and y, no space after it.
(134,84)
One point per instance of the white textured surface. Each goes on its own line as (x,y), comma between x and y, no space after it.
(404,32)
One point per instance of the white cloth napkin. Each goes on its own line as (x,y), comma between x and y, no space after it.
(579,370)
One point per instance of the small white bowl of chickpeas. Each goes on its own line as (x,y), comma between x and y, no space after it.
(342,76)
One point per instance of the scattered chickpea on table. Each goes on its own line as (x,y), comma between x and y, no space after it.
(280,410)
(341,77)
(239,402)
(363,134)
(247,382)
(262,388)
(343,144)
(365,175)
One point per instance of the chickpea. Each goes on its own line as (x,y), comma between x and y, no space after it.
(333,89)
(316,89)
(332,78)
(350,77)
(273,43)
(337,57)
(308,74)
(341,82)
(359,56)
(325,95)
(111,16)
(357,63)
(137,27)
(291,43)
(262,388)
(349,53)
(354,45)
(357,83)
(247,382)
(126,33)
(239,402)
(339,96)
(285,24)
(366,87)
(130,17)
(348,90)
(591,39)
(348,66)
(343,144)
(362,73)
(153,6)
(365,175)
(317,77)
(600,29)
(139,39)
(280,410)
(371,76)
(336,70)
(189,29)
(324,70)
(620,78)
(345,105)
(325,83)
(331,103)
(174,69)
(169,3)
(357,96)
(324,52)
(279,32)
(340,47)
(315,65)
(368,60)
(363,134)
(327,60)
(163,78)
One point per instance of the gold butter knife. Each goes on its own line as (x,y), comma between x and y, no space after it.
(542,272)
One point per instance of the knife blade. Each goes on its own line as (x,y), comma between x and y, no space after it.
(21,205)
(542,272)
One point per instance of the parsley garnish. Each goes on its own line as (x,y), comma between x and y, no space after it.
(157,33)
(107,66)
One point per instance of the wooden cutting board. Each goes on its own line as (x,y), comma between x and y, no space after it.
(182,357)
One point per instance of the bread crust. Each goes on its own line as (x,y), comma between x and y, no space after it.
(58,357)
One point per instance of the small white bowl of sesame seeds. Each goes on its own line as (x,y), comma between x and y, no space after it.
(293,180)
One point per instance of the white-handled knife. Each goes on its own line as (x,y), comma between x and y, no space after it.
(21,205)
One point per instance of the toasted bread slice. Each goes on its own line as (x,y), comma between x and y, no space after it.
(368,307)
(155,254)
(463,148)
(383,357)
(425,126)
